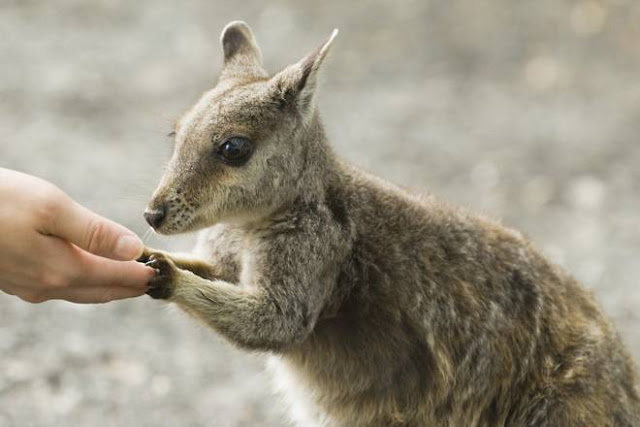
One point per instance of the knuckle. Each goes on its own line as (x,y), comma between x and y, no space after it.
(47,278)
(56,281)
(33,297)
(48,207)
(41,277)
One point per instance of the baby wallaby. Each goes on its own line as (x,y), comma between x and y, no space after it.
(378,307)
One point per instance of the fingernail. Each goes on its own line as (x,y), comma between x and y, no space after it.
(128,247)
(151,272)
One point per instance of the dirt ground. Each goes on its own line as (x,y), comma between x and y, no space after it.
(526,111)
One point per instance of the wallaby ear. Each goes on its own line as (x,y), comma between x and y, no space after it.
(242,56)
(297,83)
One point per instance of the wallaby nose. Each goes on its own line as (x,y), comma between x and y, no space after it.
(155,217)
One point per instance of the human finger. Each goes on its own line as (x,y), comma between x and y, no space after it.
(95,271)
(93,294)
(92,232)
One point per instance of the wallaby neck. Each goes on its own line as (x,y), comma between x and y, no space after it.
(320,166)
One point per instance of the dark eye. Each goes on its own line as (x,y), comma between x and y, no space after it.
(235,151)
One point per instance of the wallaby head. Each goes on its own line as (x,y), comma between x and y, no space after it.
(241,149)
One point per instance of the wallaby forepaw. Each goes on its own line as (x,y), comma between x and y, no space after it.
(161,285)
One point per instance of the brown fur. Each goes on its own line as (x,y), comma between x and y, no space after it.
(380,308)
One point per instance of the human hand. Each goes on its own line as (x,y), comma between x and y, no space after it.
(53,248)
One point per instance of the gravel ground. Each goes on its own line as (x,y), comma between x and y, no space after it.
(526,111)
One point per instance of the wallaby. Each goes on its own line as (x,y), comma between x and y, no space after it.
(379,307)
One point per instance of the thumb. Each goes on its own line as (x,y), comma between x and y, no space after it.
(94,233)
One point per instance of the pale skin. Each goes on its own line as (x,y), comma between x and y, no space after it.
(54,248)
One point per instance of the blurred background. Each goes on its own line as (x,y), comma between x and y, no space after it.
(526,111)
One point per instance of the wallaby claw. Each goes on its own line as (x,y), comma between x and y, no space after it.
(146,254)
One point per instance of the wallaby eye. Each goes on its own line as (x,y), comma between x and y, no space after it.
(235,151)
